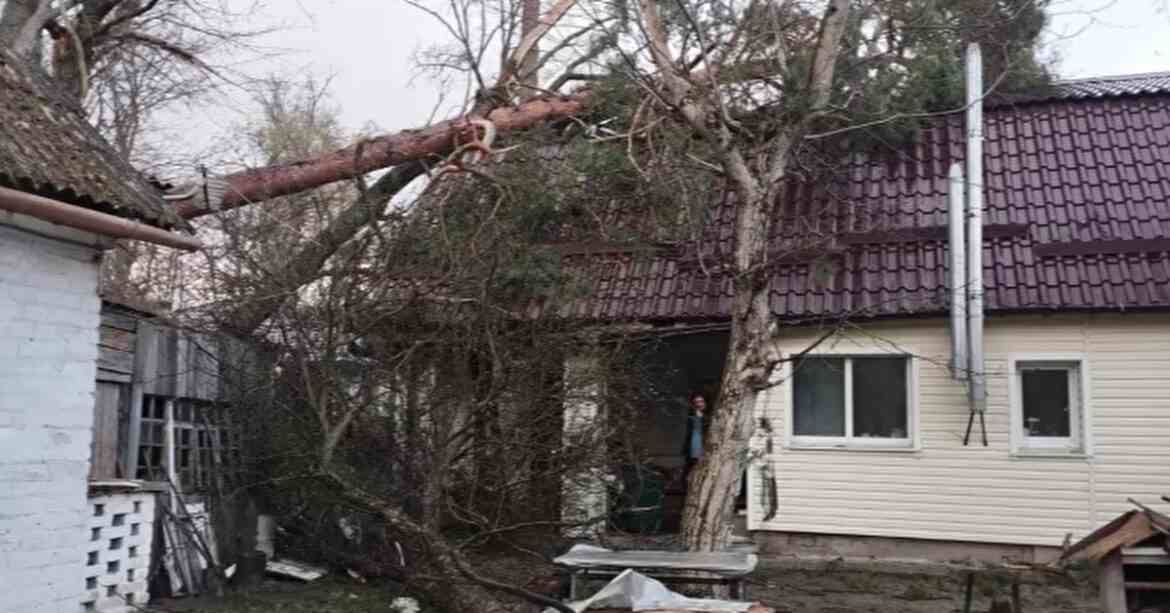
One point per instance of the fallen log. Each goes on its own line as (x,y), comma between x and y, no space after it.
(431,142)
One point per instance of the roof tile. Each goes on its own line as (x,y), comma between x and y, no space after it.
(48,148)
(1089,164)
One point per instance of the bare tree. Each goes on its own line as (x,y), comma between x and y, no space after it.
(127,62)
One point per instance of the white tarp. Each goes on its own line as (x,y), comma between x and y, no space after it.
(637,592)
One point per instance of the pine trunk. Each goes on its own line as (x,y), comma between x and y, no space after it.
(751,358)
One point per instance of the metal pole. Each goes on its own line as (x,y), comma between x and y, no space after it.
(975,226)
(958,270)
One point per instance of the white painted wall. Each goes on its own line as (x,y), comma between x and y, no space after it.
(49,314)
(943,490)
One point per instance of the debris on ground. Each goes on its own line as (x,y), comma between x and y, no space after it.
(294,570)
(636,592)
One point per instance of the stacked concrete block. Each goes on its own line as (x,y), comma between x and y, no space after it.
(117,558)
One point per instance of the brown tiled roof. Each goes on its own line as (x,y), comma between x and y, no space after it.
(1077,214)
(48,148)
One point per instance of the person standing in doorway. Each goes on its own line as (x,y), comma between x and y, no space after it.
(697,423)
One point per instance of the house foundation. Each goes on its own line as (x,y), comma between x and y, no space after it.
(815,545)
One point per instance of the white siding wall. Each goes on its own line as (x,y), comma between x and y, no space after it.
(943,490)
(48,351)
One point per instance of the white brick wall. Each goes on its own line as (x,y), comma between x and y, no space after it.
(49,315)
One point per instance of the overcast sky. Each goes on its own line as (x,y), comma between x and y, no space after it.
(366,47)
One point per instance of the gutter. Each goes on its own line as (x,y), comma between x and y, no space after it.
(54,211)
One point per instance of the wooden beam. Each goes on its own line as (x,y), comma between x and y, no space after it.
(145,370)
(104,458)
(1128,529)
(1112,583)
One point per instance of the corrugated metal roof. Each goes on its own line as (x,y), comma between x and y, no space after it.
(48,148)
(1078,209)
(1124,85)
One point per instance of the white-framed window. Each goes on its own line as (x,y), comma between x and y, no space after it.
(1048,405)
(852,401)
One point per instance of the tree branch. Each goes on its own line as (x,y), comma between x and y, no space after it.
(531,38)
(820,81)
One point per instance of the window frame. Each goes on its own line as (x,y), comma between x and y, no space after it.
(1079,442)
(911,442)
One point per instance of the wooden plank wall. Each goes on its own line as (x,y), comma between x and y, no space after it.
(107,413)
(116,339)
(177,363)
(137,356)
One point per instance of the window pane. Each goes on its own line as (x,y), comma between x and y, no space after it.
(879,398)
(1046,402)
(819,395)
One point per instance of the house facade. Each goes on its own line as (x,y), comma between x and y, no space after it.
(874,463)
(64,197)
(868,444)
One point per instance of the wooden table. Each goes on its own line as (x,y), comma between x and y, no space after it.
(725,568)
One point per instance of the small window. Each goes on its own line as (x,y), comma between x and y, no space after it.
(853,400)
(1047,406)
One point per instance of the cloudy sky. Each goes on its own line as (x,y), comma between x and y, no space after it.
(366,47)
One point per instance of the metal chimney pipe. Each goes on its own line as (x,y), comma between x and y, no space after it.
(958,269)
(977,386)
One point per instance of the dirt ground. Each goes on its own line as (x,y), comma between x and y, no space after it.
(787,586)
(329,595)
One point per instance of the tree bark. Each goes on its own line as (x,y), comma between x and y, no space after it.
(529,73)
(751,355)
(751,358)
(305,264)
(19,27)
(369,155)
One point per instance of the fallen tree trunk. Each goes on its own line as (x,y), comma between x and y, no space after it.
(304,266)
(255,185)
(463,588)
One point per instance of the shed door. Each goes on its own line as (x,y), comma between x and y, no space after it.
(104,452)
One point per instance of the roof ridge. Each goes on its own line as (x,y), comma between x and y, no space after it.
(1112,78)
